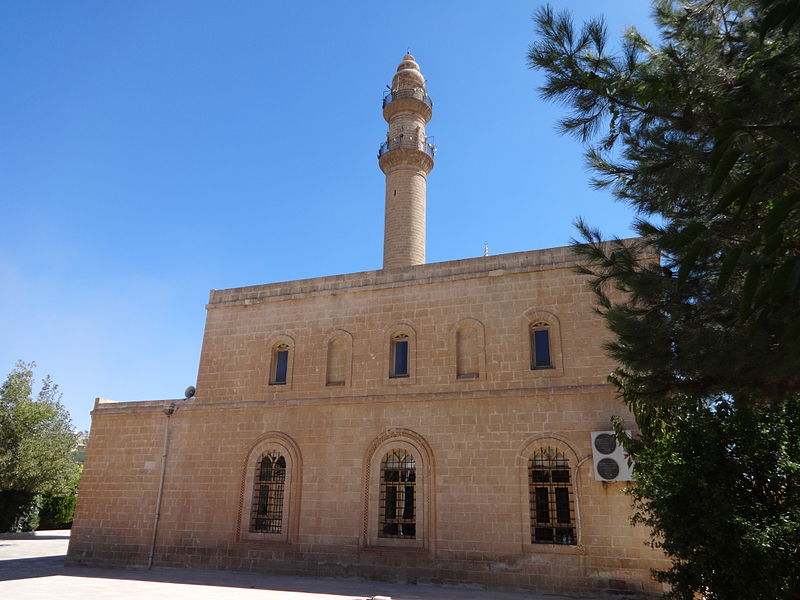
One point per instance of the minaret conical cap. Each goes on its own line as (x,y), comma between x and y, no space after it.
(408,74)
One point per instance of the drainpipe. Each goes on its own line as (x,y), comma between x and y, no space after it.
(169,411)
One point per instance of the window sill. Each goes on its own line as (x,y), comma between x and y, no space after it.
(468,376)
(414,546)
(532,548)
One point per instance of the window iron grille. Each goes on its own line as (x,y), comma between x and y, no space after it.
(552,505)
(398,496)
(266,514)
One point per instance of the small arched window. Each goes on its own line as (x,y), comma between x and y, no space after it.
(266,513)
(552,502)
(541,354)
(279,369)
(399,357)
(397,509)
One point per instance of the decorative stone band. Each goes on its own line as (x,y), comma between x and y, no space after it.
(410,104)
(405,157)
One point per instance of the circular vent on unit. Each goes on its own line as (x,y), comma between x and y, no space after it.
(605,443)
(607,468)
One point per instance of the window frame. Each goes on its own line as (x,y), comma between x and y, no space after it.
(398,493)
(400,332)
(277,345)
(274,485)
(548,478)
(531,322)
(536,328)
(424,495)
(284,446)
(525,454)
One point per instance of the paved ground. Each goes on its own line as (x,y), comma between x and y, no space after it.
(32,568)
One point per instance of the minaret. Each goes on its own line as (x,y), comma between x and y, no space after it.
(406,157)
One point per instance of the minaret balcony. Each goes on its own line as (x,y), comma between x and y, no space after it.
(417,93)
(407,100)
(408,142)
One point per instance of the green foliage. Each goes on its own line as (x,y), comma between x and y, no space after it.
(58,511)
(19,511)
(36,438)
(720,490)
(701,135)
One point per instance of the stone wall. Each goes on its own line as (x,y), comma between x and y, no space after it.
(472,437)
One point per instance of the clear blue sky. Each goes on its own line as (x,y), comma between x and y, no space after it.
(153,150)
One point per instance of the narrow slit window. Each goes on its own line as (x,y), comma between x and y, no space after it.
(552,505)
(540,346)
(397,517)
(266,515)
(399,356)
(280,361)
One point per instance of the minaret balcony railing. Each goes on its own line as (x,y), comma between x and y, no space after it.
(417,93)
(408,142)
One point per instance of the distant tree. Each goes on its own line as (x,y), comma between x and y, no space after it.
(37,447)
(701,135)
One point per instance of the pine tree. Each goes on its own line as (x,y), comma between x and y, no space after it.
(701,135)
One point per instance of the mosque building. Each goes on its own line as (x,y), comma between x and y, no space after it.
(433,423)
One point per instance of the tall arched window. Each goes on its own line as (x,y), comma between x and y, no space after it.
(552,502)
(397,510)
(266,513)
(269,501)
(399,499)
(399,355)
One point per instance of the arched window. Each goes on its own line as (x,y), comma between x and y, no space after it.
(266,513)
(269,500)
(397,510)
(552,502)
(399,498)
(541,354)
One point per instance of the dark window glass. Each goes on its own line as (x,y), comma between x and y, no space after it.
(541,349)
(281,366)
(400,358)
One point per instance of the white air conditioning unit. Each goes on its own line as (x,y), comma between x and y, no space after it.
(610,458)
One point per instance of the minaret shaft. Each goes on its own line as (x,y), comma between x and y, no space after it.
(406,158)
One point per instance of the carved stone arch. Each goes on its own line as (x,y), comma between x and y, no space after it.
(468,352)
(338,370)
(399,438)
(285,446)
(394,336)
(537,319)
(277,343)
(523,458)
